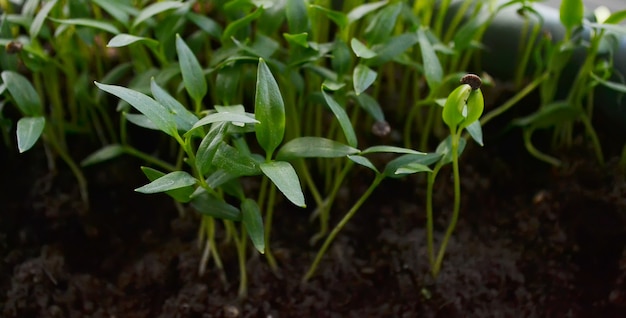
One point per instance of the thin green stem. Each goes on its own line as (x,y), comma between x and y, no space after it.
(242,243)
(429,213)
(269,215)
(340,225)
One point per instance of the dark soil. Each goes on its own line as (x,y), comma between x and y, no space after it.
(532,241)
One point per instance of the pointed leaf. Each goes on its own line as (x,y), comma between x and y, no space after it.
(391,149)
(476,131)
(235,26)
(571,13)
(391,169)
(445,148)
(432,67)
(157,113)
(269,110)
(206,204)
(362,78)
(181,194)
(29,130)
(208,147)
(342,117)
(234,162)
(185,120)
(225,117)
(103,154)
(193,76)
(336,16)
(154,9)
(24,94)
(380,28)
(362,10)
(170,181)
(314,147)
(41,16)
(371,106)
(124,39)
(361,50)
(297,18)
(94,24)
(412,168)
(251,218)
(286,180)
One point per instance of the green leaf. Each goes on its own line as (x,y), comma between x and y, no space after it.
(157,113)
(362,10)
(619,87)
(184,119)
(94,24)
(453,109)
(615,28)
(120,10)
(314,147)
(154,9)
(206,24)
(361,50)
(141,121)
(297,18)
(41,16)
(228,81)
(338,17)
(181,194)
(29,130)
(474,107)
(170,181)
(342,58)
(300,39)
(476,131)
(206,204)
(432,67)
(363,161)
(286,180)
(193,76)
(234,162)
(103,154)
(371,106)
(124,39)
(269,109)
(391,149)
(235,26)
(251,218)
(208,147)
(572,13)
(380,28)
(412,168)
(392,167)
(342,117)
(24,94)
(362,78)
(225,117)
(445,149)
(616,17)
(393,47)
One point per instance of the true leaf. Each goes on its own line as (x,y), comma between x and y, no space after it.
(362,78)
(392,167)
(24,94)
(432,67)
(371,106)
(206,24)
(361,50)
(234,162)
(476,131)
(154,9)
(286,180)
(206,204)
(413,168)
(41,16)
(235,26)
(157,113)
(29,130)
(380,28)
(445,149)
(208,147)
(170,181)
(342,117)
(314,147)
(269,110)
(251,218)
(193,77)
(362,10)
(391,149)
(94,24)
(124,39)
(180,194)
(363,161)
(184,119)
(297,19)
(103,154)
(336,16)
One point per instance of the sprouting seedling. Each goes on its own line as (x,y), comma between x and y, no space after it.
(462,110)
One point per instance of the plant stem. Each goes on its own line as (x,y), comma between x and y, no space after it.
(269,215)
(242,243)
(340,225)
(429,213)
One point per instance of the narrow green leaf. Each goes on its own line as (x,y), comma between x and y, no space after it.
(269,109)
(228,81)
(41,16)
(235,26)
(383,23)
(251,218)
(393,47)
(341,58)
(206,204)
(124,39)
(412,168)
(342,117)
(363,161)
(157,113)
(618,87)
(29,130)
(193,76)
(225,117)
(371,106)
(180,194)
(141,121)
(391,149)
(362,10)
(208,147)
(120,10)
(336,16)
(234,162)
(94,24)
(314,147)
(154,9)
(24,94)
(616,17)
(476,132)
(284,176)
(206,24)
(297,18)
(300,39)
(445,149)
(103,154)
(185,120)
(432,67)
(361,50)
(392,167)
(362,78)
(572,13)
(615,28)
(170,181)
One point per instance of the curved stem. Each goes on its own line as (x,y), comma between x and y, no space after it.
(429,213)
(340,225)
(269,215)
